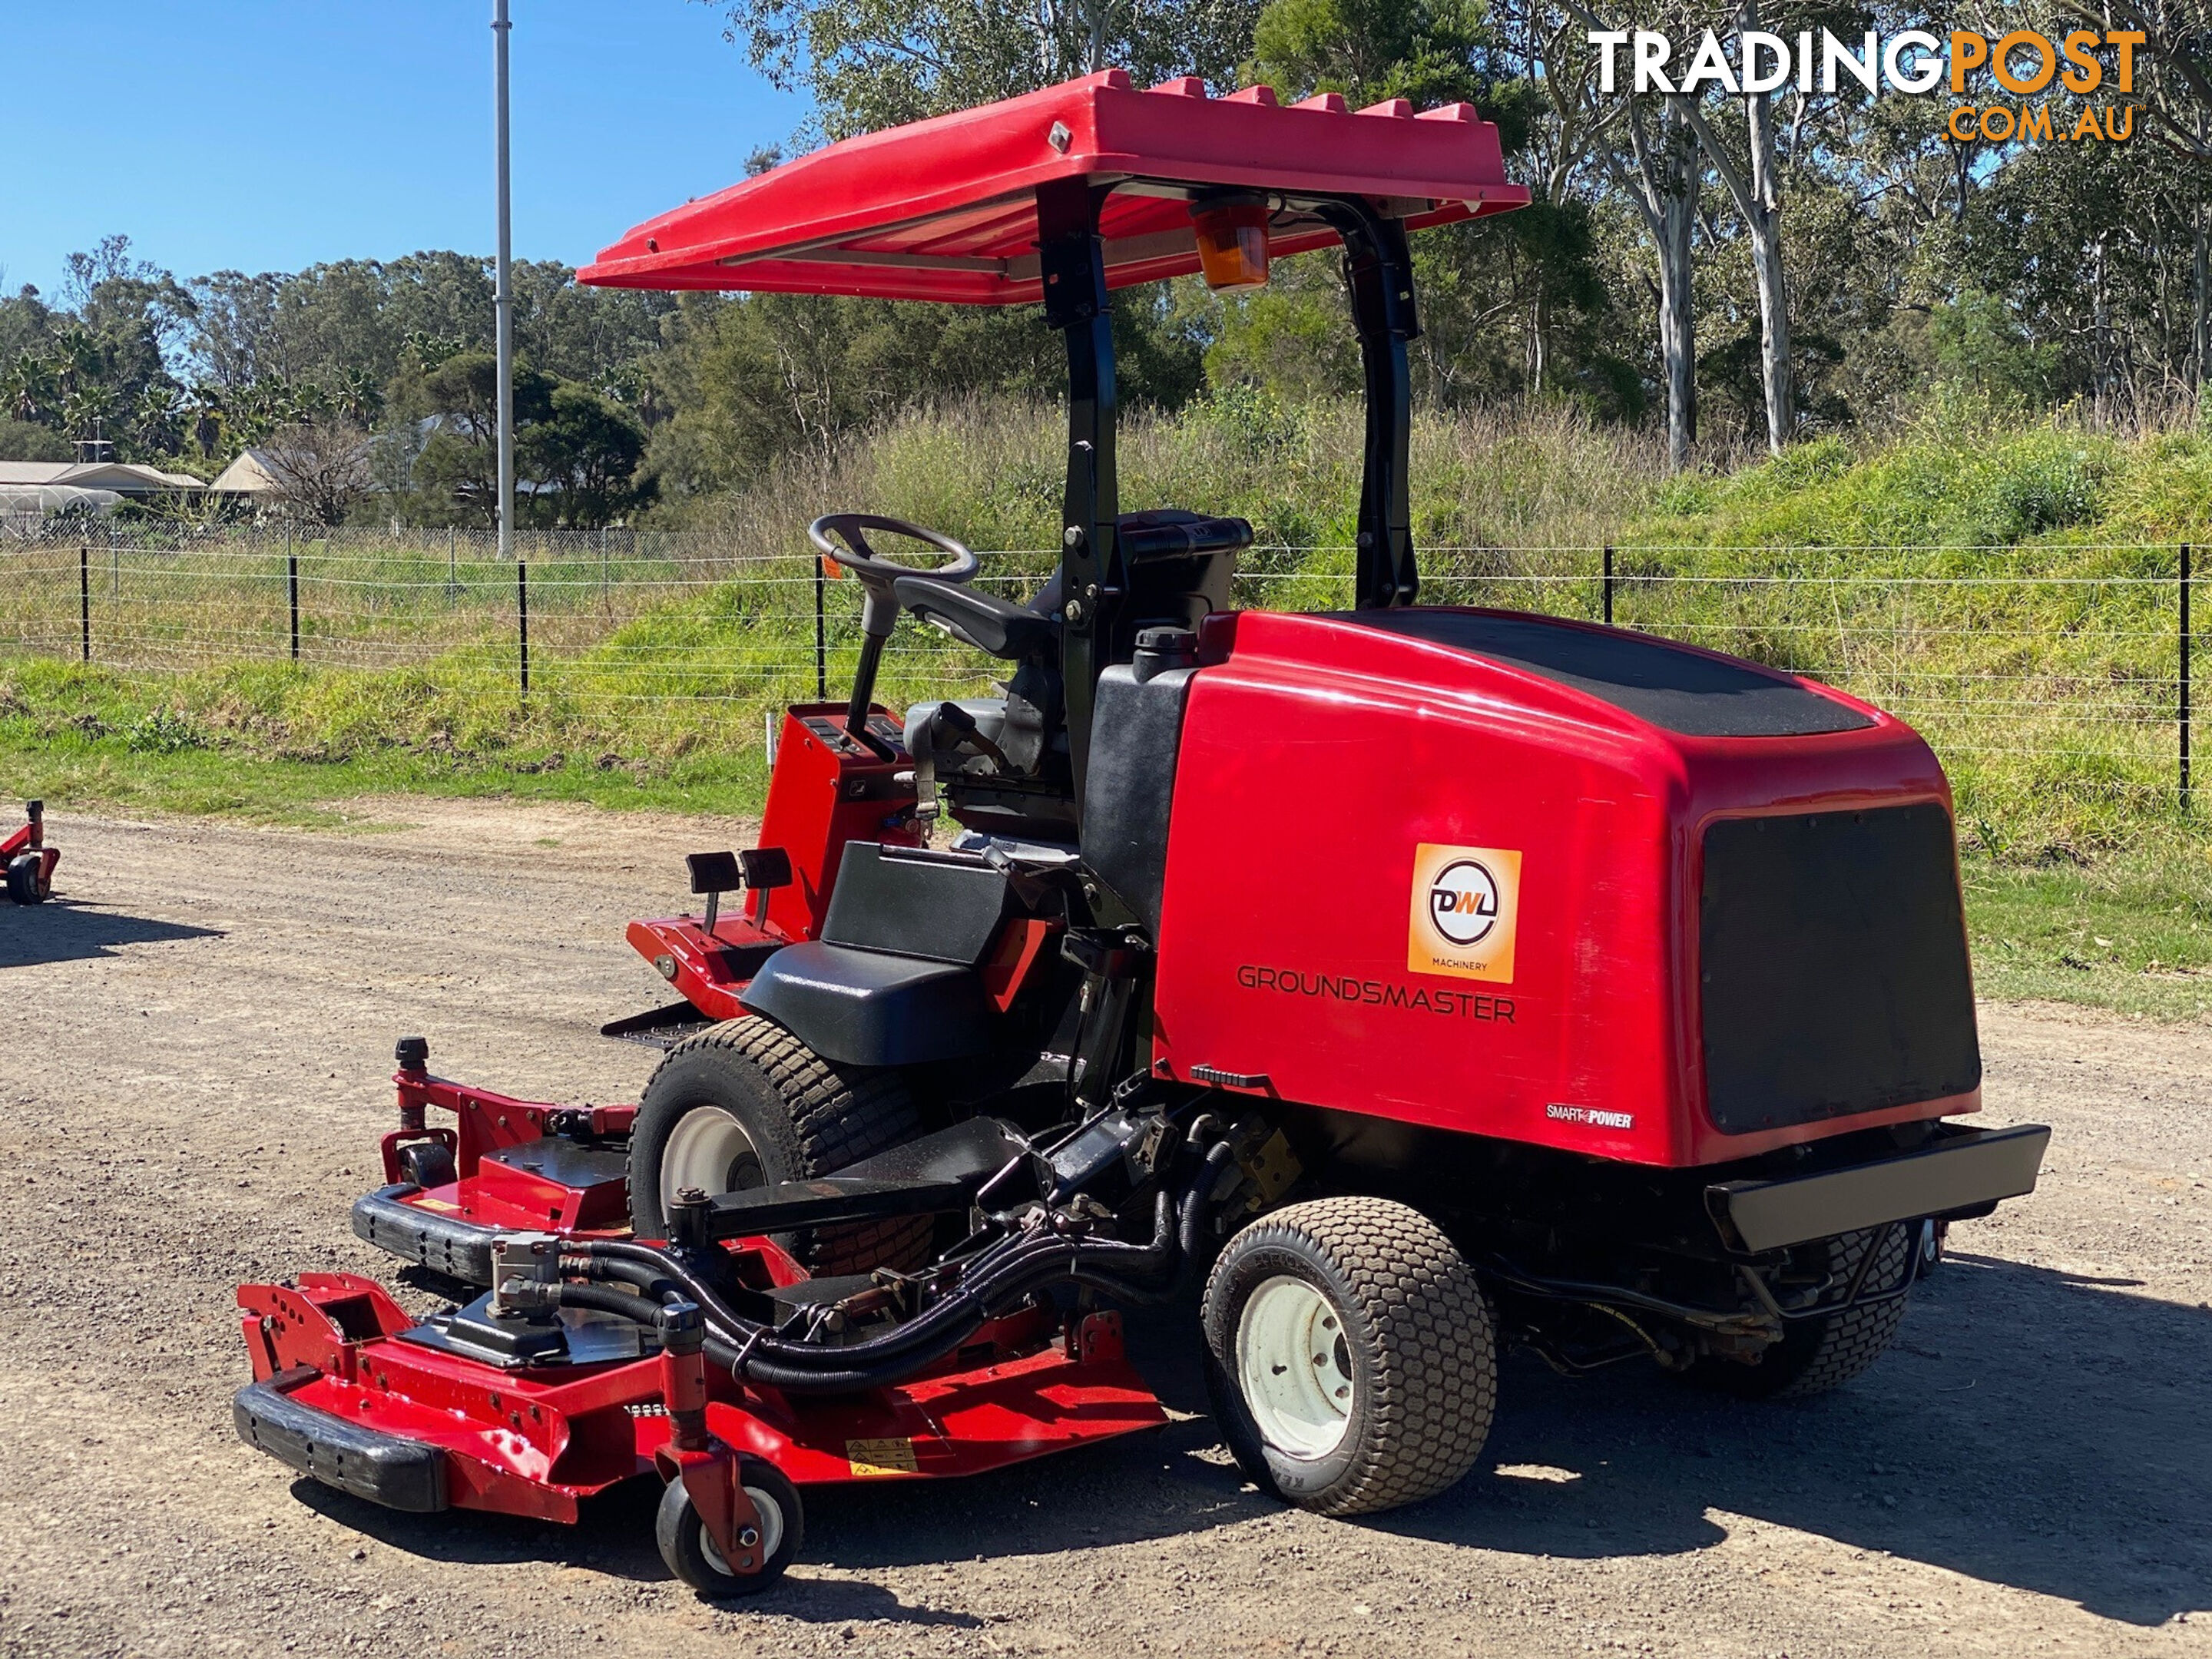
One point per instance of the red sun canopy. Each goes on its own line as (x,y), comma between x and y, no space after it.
(946,208)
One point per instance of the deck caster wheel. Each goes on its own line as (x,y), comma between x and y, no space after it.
(26,879)
(428,1164)
(1934,1239)
(1350,1356)
(748,1104)
(691,1555)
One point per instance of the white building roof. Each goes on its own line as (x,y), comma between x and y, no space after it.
(124,477)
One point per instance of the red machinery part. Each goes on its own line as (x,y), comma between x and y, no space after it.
(946,208)
(27,860)
(536,1442)
(828,788)
(1284,960)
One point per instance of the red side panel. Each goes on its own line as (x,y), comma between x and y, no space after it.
(829,788)
(1292,948)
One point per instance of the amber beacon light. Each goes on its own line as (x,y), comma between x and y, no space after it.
(1232,241)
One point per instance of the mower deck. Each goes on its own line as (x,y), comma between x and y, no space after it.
(348,1389)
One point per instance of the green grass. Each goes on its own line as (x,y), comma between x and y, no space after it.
(2129,932)
(2049,698)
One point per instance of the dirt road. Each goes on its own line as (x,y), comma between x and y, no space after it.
(193,1078)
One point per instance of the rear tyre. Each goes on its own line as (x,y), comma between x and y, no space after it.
(26,879)
(1817,1354)
(1350,1356)
(748,1104)
(691,1554)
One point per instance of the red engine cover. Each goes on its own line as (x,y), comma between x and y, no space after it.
(1409,880)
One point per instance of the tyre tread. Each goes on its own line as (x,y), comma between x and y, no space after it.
(1435,1369)
(839,1116)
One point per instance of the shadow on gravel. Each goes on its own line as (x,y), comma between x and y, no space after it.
(2030,1429)
(58,931)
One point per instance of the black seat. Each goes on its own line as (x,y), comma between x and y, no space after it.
(865,1008)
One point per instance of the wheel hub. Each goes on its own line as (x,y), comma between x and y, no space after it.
(709,1149)
(769,1539)
(1294,1368)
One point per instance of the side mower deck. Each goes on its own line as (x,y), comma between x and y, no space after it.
(349,1390)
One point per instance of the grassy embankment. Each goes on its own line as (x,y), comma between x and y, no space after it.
(2044,699)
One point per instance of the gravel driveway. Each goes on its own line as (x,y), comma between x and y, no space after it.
(193,1068)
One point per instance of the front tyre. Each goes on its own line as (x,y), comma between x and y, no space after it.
(691,1555)
(748,1104)
(1350,1355)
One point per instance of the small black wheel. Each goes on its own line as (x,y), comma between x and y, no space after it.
(1934,1239)
(1828,1350)
(1350,1355)
(428,1164)
(748,1104)
(26,879)
(691,1555)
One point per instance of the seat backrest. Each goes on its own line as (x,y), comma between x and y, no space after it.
(916,902)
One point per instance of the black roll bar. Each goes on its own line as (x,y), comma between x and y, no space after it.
(1093,577)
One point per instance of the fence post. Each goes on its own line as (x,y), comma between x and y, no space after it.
(452,566)
(522,618)
(292,579)
(821,643)
(1608,587)
(2185,652)
(84,599)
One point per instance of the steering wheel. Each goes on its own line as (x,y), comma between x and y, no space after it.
(875,573)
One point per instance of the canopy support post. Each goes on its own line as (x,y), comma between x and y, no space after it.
(1379,272)
(1091,579)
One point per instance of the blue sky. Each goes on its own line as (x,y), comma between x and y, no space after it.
(265,134)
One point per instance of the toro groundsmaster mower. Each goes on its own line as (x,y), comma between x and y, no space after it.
(27,859)
(1420,979)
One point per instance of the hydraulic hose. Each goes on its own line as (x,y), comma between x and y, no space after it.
(1001,1277)
(1199,1199)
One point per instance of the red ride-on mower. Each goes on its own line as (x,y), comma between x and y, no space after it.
(28,860)
(1422,979)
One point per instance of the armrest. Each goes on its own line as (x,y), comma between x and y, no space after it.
(989,624)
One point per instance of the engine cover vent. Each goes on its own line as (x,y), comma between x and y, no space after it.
(1832,960)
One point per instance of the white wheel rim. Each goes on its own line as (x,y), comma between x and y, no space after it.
(1293,1366)
(771,1538)
(708,1148)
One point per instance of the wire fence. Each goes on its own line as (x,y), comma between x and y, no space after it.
(2073,658)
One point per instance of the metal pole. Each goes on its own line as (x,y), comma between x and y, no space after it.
(821,642)
(452,565)
(522,619)
(504,295)
(2185,652)
(1608,587)
(84,599)
(292,568)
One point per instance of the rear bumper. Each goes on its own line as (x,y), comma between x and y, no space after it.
(461,1250)
(400,1475)
(1965,1172)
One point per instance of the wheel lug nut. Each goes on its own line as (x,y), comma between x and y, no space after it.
(749,1537)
